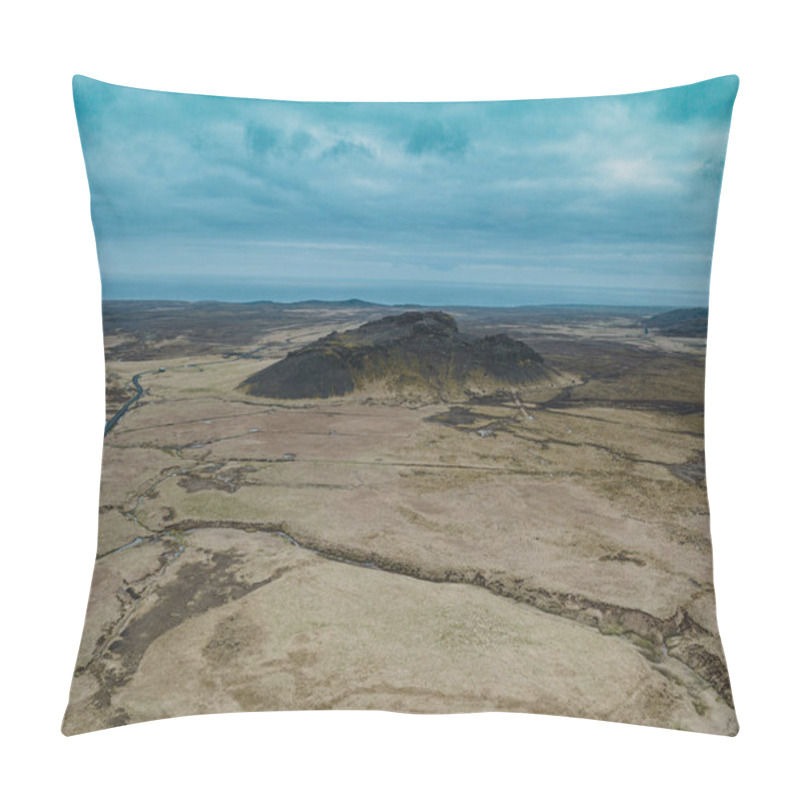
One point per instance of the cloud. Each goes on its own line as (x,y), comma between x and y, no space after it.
(261,139)
(637,174)
(432,137)
(345,148)
(507,183)
(300,142)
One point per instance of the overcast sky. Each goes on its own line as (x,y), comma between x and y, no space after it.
(613,192)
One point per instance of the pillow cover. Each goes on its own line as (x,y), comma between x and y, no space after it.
(405,407)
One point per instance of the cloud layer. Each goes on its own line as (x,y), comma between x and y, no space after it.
(598,192)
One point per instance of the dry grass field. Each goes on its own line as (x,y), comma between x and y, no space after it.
(541,548)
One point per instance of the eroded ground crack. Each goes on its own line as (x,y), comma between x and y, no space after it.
(197,588)
(679,635)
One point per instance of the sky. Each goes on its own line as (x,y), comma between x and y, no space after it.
(609,199)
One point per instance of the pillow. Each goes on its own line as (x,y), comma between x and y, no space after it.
(404,407)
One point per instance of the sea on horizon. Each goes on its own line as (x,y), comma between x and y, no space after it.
(237,289)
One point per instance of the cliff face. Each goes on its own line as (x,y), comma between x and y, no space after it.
(412,352)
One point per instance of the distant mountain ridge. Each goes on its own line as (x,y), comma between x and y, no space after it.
(411,352)
(680,322)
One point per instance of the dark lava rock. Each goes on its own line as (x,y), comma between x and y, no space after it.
(416,351)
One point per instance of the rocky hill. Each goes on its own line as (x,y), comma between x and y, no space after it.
(415,352)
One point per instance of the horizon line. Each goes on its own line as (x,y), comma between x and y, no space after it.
(356,300)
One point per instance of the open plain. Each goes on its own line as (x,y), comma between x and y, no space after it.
(536,548)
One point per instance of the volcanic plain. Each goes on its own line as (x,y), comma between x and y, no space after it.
(534,539)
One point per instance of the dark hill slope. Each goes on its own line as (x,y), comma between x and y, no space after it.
(681,322)
(416,351)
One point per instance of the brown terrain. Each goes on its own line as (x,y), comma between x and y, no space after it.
(541,546)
